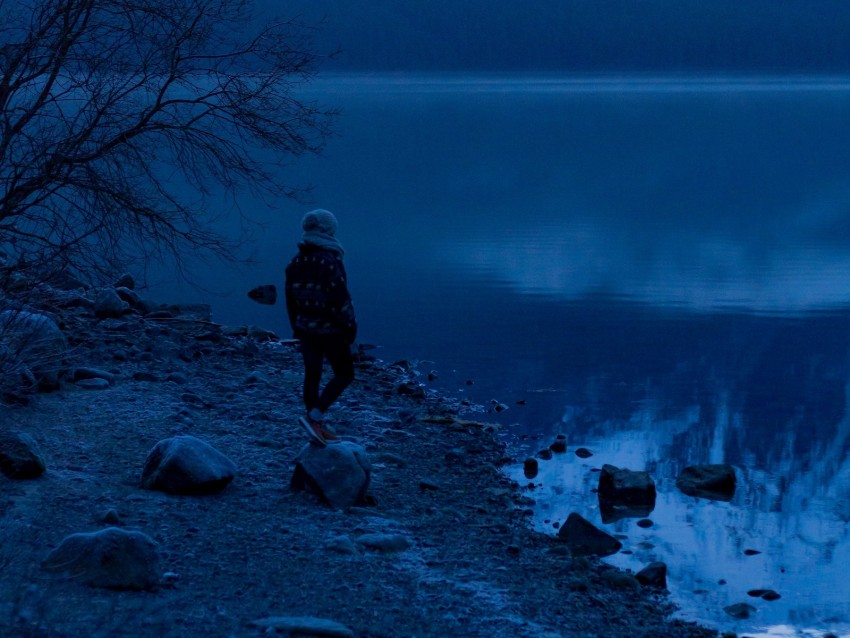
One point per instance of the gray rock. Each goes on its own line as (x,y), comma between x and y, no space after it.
(130,296)
(261,334)
(583,453)
(126,281)
(653,575)
(585,539)
(78,374)
(20,457)
(384,542)
(186,465)
(266,295)
(33,342)
(108,304)
(625,493)
(530,467)
(110,558)
(342,545)
(716,482)
(257,378)
(338,473)
(303,626)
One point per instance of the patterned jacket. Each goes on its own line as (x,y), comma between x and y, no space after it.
(317,297)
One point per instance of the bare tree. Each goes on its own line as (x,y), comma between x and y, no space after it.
(124,122)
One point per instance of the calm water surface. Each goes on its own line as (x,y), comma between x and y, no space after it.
(657,268)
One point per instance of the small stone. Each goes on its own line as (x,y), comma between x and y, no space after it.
(111,517)
(342,545)
(559,445)
(427,484)
(384,542)
(92,384)
(545,454)
(109,305)
(530,467)
(302,626)
(497,406)
(741,611)
(751,552)
(645,523)
(583,453)
(653,575)
(266,294)
(126,281)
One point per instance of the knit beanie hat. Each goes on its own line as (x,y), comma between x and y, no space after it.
(321,221)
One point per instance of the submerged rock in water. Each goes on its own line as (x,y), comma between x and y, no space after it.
(585,539)
(266,294)
(112,558)
(530,467)
(741,611)
(187,465)
(625,493)
(716,482)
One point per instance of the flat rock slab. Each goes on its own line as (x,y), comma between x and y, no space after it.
(111,558)
(187,465)
(303,626)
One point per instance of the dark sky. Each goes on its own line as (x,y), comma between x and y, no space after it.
(581,35)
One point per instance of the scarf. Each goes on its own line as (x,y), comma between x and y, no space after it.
(322,240)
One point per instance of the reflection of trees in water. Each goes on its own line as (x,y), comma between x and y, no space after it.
(774,389)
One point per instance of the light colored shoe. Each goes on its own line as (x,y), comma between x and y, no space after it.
(313,430)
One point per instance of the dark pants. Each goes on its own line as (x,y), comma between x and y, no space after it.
(315,349)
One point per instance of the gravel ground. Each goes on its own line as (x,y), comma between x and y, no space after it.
(259,550)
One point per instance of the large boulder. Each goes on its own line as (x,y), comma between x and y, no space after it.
(32,345)
(20,457)
(186,465)
(111,558)
(337,473)
(625,493)
(716,481)
(585,539)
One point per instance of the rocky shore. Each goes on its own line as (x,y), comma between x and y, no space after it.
(440,544)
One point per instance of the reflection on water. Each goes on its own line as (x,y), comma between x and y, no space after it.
(767,395)
(659,269)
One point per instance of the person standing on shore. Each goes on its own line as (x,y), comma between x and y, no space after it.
(322,318)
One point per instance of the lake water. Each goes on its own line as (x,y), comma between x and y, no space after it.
(657,268)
